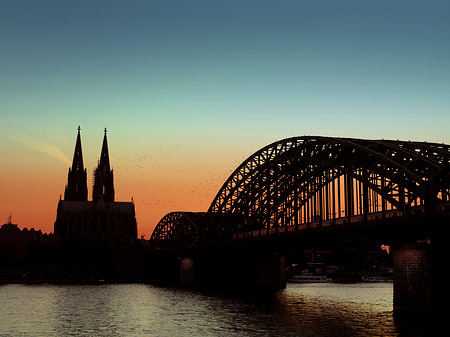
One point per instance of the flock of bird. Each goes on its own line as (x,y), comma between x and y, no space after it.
(167,181)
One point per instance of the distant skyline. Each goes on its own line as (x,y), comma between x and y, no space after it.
(189,89)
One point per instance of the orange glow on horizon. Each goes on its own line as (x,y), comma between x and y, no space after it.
(157,186)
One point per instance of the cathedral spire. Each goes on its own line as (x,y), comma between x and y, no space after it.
(76,189)
(77,163)
(104,156)
(103,176)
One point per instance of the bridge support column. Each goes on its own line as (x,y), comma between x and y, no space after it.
(270,271)
(413,279)
(187,274)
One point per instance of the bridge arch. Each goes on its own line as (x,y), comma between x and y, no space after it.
(179,229)
(304,180)
(310,181)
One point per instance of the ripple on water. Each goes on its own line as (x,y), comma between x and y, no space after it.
(139,309)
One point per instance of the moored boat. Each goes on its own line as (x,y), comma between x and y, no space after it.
(309,278)
(377,279)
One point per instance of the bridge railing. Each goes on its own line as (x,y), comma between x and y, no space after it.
(316,225)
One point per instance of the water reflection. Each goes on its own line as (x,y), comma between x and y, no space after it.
(145,310)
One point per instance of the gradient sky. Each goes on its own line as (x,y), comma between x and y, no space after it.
(189,89)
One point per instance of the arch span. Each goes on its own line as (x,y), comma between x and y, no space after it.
(179,229)
(304,181)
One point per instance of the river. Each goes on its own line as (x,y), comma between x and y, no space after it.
(320,309)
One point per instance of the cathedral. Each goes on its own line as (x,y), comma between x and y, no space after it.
(101,219)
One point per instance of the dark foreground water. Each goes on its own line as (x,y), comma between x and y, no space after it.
(145,310)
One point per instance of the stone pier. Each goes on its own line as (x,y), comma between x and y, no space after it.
(415,276)
(187,272)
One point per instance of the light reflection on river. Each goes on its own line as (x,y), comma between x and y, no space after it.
(145,310)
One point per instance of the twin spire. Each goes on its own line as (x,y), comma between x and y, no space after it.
(77,164)
(103,189)
(76,188)
(103,176)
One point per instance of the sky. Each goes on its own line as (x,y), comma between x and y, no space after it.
(189,89)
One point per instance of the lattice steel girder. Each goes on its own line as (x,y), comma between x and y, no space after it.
(406,166)
(310,174)
(178,229)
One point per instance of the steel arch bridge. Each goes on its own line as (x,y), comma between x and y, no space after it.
(305,182)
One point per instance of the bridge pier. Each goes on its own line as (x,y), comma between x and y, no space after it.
(187,272)
(269,271)
(417,276)
(413,286)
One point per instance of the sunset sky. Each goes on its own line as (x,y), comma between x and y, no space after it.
(189,89)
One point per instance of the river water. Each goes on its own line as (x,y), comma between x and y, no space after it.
(319,309)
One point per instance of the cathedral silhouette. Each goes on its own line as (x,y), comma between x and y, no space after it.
(101,219)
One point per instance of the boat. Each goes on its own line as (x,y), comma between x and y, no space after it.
(309,278)
(377,279)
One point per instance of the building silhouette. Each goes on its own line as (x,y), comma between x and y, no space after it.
(15,243)
(102,219)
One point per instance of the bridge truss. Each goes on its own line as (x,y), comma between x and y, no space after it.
(315,181)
